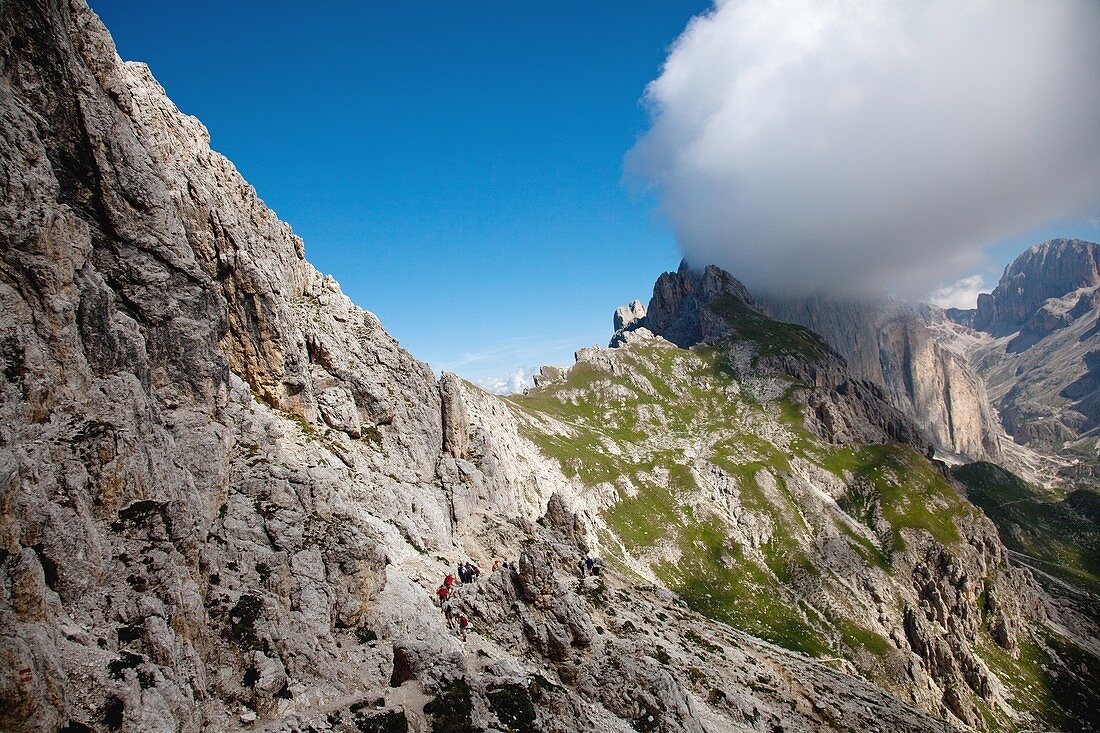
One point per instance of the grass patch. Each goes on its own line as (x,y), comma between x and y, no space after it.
(906,488)
(1059,535)
(857,637)
(773,338)
(1051,679)
(643,520)
(658,427)
(716,579)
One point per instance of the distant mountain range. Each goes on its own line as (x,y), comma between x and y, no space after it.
(1035,341)
(1014,380)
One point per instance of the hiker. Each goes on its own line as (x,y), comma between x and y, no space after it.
(449,581)
(463,574)
(589,563)
(472,571)
(449,612)
(443,592)
(496,565)
(581,568)
(463,622)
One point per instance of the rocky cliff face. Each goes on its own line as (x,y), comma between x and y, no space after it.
(1050,270)
(678,310)
(192,416)
(888,344)
(227,496)
(712,307)
(1035,340)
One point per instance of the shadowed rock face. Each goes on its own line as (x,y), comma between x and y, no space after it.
(677,310)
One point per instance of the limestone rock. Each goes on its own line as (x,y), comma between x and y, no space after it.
(548,375)
(338,410)
(627,315)
(1031,341)
(630,325)
(455,440)
(227,496)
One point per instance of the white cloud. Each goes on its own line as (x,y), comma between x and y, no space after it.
(494,385)
(963,293)
(492,366)
(856,145)
(517,381)
(521,379)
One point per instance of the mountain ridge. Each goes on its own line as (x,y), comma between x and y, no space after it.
(1034,341)
(883,343)
(1052,269)
(229,496)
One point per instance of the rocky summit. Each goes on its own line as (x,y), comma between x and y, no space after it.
(1035,341)
(229,501)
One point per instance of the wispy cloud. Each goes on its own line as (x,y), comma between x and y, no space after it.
(963,293)
(519,380)
(509,366)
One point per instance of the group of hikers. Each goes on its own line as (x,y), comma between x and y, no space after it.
(466,572)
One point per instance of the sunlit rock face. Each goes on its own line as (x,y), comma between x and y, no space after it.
(1050,270)
(1035,340)
(888,343)
(227,497)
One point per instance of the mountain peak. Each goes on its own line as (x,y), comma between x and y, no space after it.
(1053,269)
(678,309)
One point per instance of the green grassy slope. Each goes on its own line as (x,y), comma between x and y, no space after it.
(1054,534)
(654,429)
(773,338)
(706,470)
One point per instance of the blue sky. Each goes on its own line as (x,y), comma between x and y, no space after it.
(458,167)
